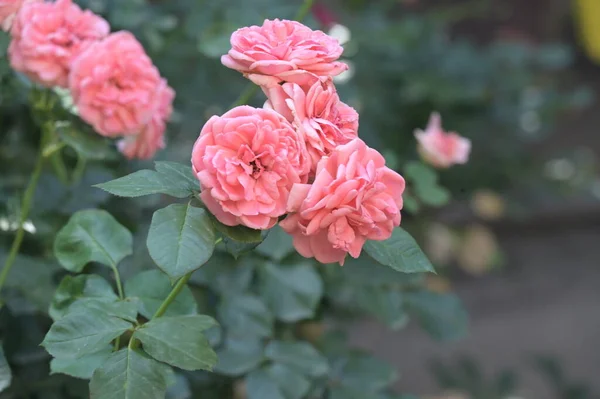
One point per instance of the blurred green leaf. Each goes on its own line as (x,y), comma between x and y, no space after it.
(441,315)
(277,245)
(239,356)
(181,239)
(277,381)
(151,287)
(5,373)
(92,236)
(291,292)
(300,356)
(88,145)
(246,314)
(240,233)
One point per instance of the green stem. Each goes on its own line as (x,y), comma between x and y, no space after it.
(118,281)
(174,292)
(25,208)
(251,89)
(59,167)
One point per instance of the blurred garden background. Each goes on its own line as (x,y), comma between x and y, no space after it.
(518,243)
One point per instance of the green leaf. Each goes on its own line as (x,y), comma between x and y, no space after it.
(433,194)
(239,356)
(82,367)
(366,373)
(181,239)
(441,315)
(224,274)
(5,373)
(170,178)
(260,385)
(246,313)
(83,288)
(92,236)
(292,292)
(419,173)
(88,145)
(277,381)
(300,356)
(126,309)
(366,271)
(129,374)
(179,341)
(151,287)
(237,248)
(277,245)
(400,252)
(385,304)
(242,234)
(348,393)
(83,333)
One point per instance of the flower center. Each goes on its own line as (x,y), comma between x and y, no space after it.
(257,169)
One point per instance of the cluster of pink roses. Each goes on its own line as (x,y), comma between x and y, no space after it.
(114,84)
(298,155)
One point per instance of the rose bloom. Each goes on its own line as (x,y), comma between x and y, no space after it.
(247,161)
(115,86)
(48,37)
(441,149)
(8,10)
(323,120)
(151,138)
(354,198)
(282,50)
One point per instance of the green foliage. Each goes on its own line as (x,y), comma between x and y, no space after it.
(178,341)
(81,289)
(170,178)
(5,373)
(181,239)
(129,374)
(400,252)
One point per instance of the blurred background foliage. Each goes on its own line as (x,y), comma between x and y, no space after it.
(505,95)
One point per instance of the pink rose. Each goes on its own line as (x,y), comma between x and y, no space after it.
(8,11)
(247,162)
(48,37)
(441,149)
(115,86)
(354,198)
(283,51)
(323,120)
(151,138)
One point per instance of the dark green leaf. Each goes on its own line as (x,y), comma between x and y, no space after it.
(277,245)
(5,373)
(366,374)
(246,314)
(239,356)
(300,356)
(92,236)
(292,292)
(170,178)
(83,333)
(348,393)
(366,271)
(241,234)
(151,287)
(400,252)
(181,239)
(237,248)
(441,315)
(88,145)
(87,287)
(126,309)
(179,341)
(385,304)
(129,374)
(277,381)
(82,367)
(224,274)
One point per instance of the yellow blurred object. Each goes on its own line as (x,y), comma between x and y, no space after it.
(488,205)
(587,16)
(438,284)
(439,244)
(479,250)
(311,331)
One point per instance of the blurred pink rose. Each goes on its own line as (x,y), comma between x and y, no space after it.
(48,37)
(282,50)
(323,120)
(151,138)
(354,198)
(115,86)
(441,149)
(8,11)
(247,161)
